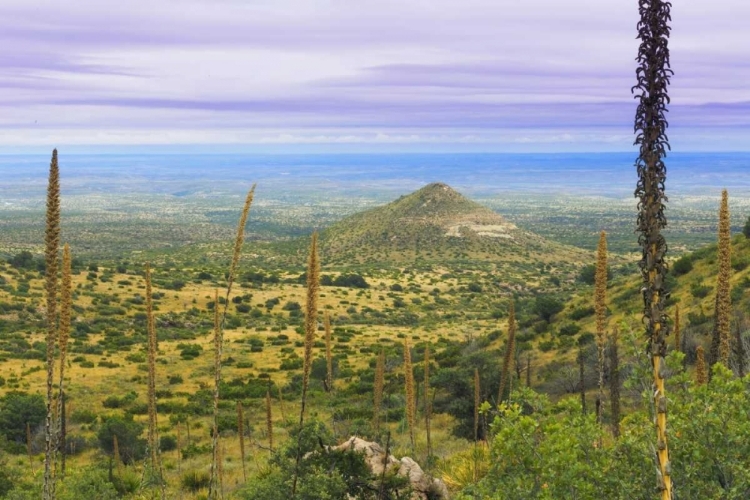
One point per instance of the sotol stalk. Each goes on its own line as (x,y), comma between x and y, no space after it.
(52,246)
(653,75)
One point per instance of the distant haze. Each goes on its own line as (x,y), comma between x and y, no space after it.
(359,76)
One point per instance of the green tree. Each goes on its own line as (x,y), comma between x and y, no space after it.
(132,446)
(546,307)
(16,410)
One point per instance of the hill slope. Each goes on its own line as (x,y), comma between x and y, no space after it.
(436,223)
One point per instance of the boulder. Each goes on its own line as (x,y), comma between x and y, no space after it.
(424,487)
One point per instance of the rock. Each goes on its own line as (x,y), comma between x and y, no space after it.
(423,485)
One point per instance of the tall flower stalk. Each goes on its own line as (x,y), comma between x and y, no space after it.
(311,326)
(215,489)
(653,77)
(52,247)
(724,301)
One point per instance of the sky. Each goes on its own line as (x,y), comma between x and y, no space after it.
(361,75)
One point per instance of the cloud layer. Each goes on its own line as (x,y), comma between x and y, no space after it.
(493,74)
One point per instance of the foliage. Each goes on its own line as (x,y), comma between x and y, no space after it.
(588,273)
(324,474)
(547,306)
(131,445)
(16,410)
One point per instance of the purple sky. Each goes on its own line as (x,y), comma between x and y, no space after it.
(475,75)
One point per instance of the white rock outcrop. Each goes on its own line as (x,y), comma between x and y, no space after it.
(424,487)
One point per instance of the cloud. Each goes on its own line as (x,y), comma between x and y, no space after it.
(333,69)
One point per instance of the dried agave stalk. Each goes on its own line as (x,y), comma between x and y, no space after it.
(653,75)
(311,326)
(723,288)
(52,247)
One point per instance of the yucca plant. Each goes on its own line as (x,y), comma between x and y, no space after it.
(653,76)
(720,342)
(215,489)
(52,247)
(600,308)
(311,326)
(510,347)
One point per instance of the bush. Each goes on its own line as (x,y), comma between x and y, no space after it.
(167,443)
(588,274)
(128,432)
(569,330)
(16,410)
(195,481)
(79,416)
(351,281)
(581,312)
(546,307)
(681,266)
(699,290)
(90,482)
